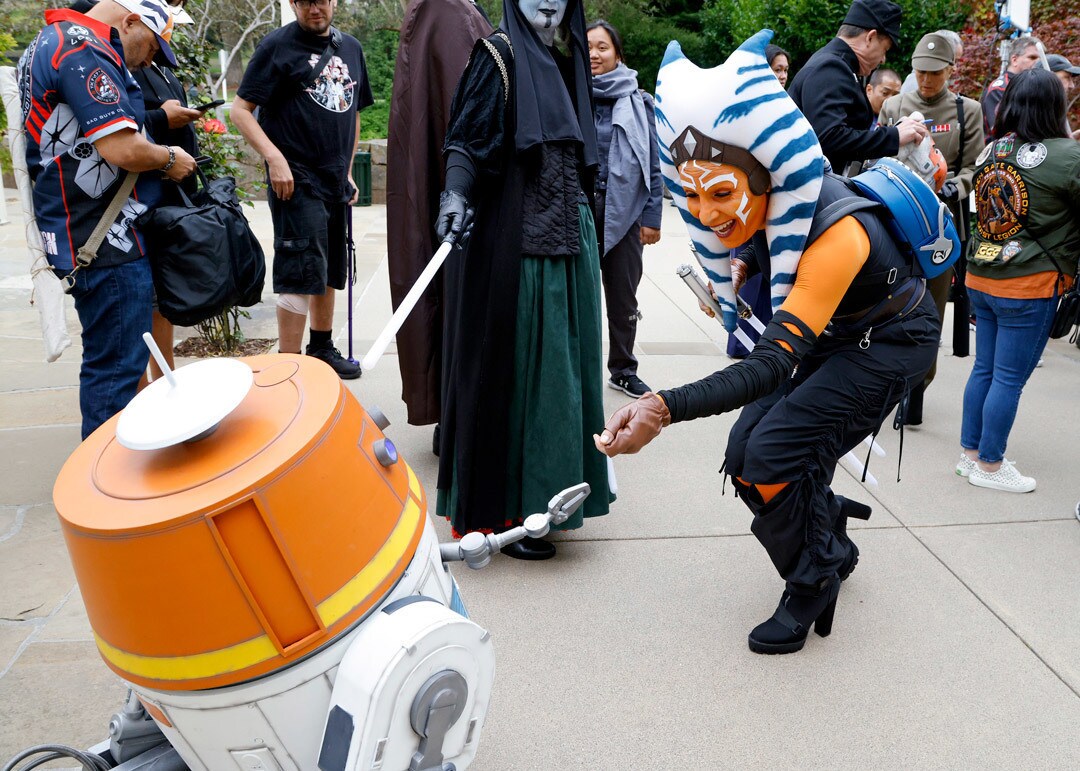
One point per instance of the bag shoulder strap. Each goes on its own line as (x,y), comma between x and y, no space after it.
(836,211)
(88,252)
(331,45)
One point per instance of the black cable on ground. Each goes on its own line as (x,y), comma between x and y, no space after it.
(89,761)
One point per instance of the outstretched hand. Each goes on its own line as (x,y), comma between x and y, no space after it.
(633,426)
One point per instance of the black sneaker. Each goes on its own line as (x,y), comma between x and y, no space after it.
(631,385)
(346,370)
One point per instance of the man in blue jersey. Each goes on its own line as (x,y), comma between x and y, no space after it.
(83,115)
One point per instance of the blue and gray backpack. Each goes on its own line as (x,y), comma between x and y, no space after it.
(918,221)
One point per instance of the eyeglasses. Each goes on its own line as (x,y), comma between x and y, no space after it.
(309,3)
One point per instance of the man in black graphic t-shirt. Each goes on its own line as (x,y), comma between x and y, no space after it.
(306,131)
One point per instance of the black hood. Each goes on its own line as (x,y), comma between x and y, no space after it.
(544,110)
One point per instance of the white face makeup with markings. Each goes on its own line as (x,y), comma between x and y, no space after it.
(545,16)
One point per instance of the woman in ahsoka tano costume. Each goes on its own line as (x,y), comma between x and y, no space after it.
(522,366)
(743,163)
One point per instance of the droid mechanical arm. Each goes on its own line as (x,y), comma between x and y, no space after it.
(475,549)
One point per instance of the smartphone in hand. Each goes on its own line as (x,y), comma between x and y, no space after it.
(208,105)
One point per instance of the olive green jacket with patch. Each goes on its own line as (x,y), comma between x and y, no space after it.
(1027,197)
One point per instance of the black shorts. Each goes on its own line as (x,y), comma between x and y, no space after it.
(310,252)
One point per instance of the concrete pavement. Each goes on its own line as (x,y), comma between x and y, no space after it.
(955,643)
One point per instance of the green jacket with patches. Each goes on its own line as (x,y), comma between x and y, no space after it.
(1027,197)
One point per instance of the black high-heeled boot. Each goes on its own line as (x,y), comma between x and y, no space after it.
(849,508)
(786,631)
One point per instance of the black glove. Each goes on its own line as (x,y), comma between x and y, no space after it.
(455,217)
(949,193)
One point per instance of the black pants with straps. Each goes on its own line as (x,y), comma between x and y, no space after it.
(839,396)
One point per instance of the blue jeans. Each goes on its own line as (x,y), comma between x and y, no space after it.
(114,306)
(1010,336)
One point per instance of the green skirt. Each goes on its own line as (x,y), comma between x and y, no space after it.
(557,402)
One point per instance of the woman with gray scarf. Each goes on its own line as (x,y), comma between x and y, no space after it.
(629,195)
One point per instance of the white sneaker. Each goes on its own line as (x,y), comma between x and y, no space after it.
(965,466)
(1006,478)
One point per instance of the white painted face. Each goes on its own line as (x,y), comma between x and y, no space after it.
(545,16)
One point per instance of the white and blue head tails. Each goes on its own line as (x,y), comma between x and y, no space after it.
(741,104)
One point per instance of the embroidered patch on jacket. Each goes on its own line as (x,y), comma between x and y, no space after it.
(1001,198)
(101,87)
(1003,147)
(1030,155)
(1010,250)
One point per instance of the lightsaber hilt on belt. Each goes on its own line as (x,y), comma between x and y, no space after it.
(378,348)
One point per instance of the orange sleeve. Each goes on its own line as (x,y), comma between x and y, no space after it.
(825,272)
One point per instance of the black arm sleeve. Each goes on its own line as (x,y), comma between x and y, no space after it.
(759,374)
(476,125)
(460,172)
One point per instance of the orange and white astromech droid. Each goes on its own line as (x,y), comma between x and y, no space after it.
(258,565)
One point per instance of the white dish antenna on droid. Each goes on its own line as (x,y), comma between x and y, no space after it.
(185,405)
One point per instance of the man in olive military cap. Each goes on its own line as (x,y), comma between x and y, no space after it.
(831,93)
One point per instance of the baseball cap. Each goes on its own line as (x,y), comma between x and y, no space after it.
(158,16)
(1059,63)
(933,54)
(882,15)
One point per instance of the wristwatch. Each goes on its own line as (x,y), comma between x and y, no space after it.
(172,159)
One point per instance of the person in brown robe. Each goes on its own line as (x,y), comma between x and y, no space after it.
(436,39)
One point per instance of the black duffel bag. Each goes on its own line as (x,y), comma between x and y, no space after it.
(203,255)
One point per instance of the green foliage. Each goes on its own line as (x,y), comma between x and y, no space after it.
(7,47)
(376,27)
(23,19)
(803,26)
(222,332)
(7,43)
(193,55)
(646,37)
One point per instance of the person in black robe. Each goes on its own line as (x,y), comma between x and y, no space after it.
(436,39)
(522,372)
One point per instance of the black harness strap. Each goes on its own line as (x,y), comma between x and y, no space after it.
(331,46)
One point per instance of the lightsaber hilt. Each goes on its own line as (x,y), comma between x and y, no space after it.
(697,286)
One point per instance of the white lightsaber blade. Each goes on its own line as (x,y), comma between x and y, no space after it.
(378,348)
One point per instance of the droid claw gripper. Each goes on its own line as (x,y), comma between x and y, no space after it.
(271,587)
(475,549)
